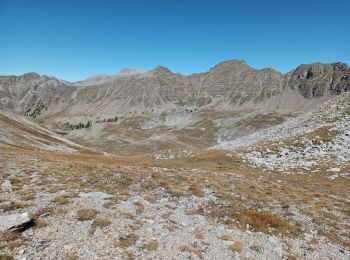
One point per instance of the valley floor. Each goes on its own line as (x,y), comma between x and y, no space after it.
(210,205)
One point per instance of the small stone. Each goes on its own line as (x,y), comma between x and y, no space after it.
(6,186)
(336,169)
(151,221)
(53,230)
(98,232)
(68,247)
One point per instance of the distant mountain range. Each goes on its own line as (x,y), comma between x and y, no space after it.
(228,85)
(103,78)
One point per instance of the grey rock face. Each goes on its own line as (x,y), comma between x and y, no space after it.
(315,80)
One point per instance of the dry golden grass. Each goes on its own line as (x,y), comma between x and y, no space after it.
(151,245)
(225,237)
(198,233)
(6,256)
(29,196)
(228,177)
(236,246)
(10,240)
(65,198)
(129,255)
(86,214)
(149,197)
(139,207)
(324,133)
(72,256)
(61,200)
(102,221)
(126,241)
(193,249)
(37,220)
(188,248)
(196,189)
(40,223)
(13,205)
(262,221)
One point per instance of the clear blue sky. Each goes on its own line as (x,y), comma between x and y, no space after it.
(75,39)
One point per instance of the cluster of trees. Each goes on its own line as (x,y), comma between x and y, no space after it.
(78,126)
(115,119)
(190,110)
(37,110)
(89,123)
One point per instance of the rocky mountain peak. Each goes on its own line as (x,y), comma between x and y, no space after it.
(161,69)
(104,78)
(229,64)
(340,66)
(30,75)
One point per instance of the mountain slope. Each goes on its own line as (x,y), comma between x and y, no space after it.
(315,141)
(17,131)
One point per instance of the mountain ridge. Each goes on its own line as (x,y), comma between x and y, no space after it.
(231,84)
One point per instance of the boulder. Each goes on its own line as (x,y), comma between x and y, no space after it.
(8,222)
(6,186)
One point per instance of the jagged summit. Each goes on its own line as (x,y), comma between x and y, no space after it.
(160,69)
(229,64)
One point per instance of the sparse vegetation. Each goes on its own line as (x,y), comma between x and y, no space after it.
(198,233)
(10,240)
(13,205)
(86,214)
(152,245)
(139,207)
(6,256)
(226,237)
(126,241)
(40,223)
(65,198)
(102,221)
(129,255)
(236,246)
(29,196)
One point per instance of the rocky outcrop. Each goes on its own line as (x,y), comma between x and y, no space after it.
(316,80)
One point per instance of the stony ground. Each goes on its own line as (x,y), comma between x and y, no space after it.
(278,193)
(316,141)
(208,206)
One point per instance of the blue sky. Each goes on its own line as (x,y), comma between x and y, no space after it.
(75,39)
